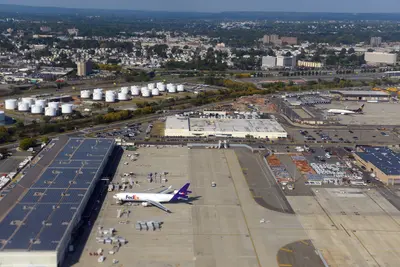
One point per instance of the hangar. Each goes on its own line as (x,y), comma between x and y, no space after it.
(36,231)
(362,95)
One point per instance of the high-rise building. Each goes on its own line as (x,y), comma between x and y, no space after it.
(84,68)
(266,39)
(376,41)
(273,38)
(268,62)
(286,62)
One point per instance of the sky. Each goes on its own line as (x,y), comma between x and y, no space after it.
(348,6)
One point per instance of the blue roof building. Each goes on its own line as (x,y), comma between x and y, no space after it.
(36,229)
(382,161)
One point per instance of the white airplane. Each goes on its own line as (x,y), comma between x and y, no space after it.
(155,199)
(347,111)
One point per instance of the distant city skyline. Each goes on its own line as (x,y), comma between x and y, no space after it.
(340,6)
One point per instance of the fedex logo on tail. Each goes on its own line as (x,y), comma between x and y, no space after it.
(182,193)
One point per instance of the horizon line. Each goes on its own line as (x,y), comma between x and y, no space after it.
(199,12)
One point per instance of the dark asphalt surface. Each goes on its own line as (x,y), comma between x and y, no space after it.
(299,254)
(266,192)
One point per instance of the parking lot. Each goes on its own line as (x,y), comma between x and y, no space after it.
(133,131)
(370,135)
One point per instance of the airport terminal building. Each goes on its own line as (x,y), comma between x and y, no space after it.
(41,213)
(239,128)
(381,161)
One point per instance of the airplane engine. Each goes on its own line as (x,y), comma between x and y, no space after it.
(176,191)
(145,204)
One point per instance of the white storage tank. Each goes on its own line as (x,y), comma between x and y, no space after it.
(146,92)
(110,96)
(11,104)
(36,109)
(135,90)
(180,88)
(159,84)
(40,102)
(50,111)
(161,87)
(125,90)
(155,92)
(23,106)
(66,108)
(55,105)
(151,86)
(122,96)
(85,94)
(28,100)
(172,88)
(2,116)
(98,95)
(169,85)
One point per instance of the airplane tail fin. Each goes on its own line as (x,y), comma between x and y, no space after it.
(182,193)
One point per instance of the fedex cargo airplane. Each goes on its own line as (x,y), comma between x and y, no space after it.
(347,111)
(155,199)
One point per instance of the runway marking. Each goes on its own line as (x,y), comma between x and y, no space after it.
(285,265)
(287,250)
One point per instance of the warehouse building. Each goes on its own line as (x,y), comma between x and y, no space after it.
(361,95)
(377,58)
(239,128)
(381,161)
(37,230)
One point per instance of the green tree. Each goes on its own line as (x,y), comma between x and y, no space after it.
(46,119)
(44,139)
(19,124)
(26,143)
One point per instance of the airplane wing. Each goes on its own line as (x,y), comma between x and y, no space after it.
(164,190)
(158,205)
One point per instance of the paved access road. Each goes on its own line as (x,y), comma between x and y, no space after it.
(266,192)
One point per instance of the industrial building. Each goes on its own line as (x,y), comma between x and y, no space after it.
(286,62)
(40,215)
(383,162)
(239,128)
(361,95)
(310,64)
(268,62)
(84,68)
(376,58)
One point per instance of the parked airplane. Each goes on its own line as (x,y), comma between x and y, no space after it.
(155,199)
(347,111)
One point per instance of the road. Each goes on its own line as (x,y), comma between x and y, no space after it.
(265,191)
